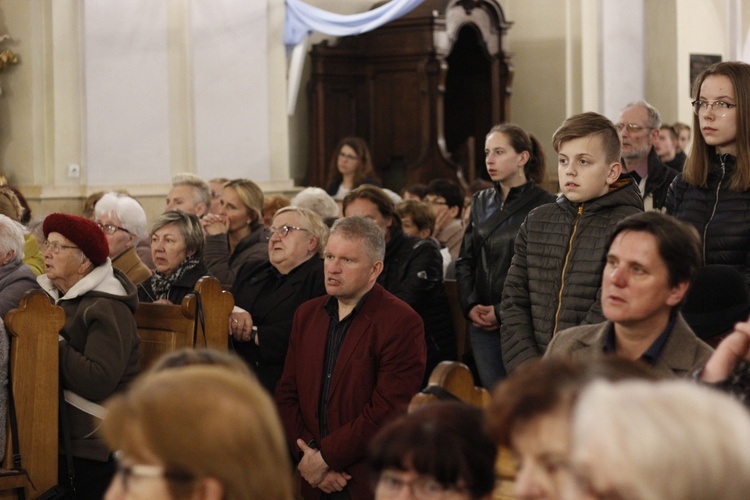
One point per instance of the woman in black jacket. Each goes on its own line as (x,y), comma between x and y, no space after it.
(267,293)
(515,162)
(713,191)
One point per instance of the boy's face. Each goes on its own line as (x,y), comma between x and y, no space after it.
(583,169)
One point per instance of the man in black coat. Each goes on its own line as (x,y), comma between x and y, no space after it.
(413,271)
(638,127)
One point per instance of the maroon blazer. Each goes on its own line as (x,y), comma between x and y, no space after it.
(379,368)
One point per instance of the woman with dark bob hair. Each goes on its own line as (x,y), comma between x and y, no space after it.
(177,250)
(351,166)
(438,451)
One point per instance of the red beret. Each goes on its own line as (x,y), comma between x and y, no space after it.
(85,233)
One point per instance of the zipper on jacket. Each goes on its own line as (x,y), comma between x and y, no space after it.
(565,267)
(722,158)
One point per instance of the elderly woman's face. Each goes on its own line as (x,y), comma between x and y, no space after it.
(168,249)
(62,261)
(288,252)
(120,239)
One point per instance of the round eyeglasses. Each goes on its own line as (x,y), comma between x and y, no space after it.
(720,108)
(55,246)
(111,228)
(127,472)
(284,230)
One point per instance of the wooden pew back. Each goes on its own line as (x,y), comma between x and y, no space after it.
(456,378)
(33,328)
(164,328)
(460,325)
(217,306)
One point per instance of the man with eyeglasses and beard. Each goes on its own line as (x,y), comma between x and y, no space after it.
(638,127)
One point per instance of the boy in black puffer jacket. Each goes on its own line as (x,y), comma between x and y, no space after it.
(555,275)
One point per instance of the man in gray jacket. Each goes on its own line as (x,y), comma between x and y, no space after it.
(651,262)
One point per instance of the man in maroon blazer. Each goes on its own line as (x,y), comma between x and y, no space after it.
(355,359)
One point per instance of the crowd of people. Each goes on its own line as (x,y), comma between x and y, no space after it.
(593,314)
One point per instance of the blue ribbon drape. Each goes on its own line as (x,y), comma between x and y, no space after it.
(302,19)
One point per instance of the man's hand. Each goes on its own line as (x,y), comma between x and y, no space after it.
(442,220)
(334,481)
(483,317)
(730,351)
(312,467)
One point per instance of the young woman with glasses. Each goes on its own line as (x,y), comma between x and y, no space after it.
(713,191)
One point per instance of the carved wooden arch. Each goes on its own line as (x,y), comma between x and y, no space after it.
(389,86)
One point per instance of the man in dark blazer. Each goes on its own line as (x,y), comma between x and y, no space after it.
(651,262)
(355,359)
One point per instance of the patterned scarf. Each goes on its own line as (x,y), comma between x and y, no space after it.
(162,283)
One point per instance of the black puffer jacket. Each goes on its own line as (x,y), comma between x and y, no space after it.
(413,272)
(488,242)
(721,216)
(555,278)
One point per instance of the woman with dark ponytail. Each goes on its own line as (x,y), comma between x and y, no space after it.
(515,163)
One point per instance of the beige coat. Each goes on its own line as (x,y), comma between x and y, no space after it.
(682,353)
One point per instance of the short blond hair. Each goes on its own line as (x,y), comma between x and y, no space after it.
(204,421)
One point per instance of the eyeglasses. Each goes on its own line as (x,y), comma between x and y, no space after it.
(720,108)
(422,488)
(435,201)
(632,127)
(348,157)
(55,246)
(111,228)
(128,472)
(283,230)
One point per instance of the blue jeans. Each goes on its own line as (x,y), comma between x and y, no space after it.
(487,354)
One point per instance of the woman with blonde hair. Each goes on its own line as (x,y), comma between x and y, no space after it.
(236,234)
(201,432)
(713,191)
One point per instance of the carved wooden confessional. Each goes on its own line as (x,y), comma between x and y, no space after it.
(423,90)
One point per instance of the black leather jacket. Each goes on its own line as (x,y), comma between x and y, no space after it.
(413,272)
(487,248)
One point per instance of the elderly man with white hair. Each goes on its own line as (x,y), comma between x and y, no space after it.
(16,278)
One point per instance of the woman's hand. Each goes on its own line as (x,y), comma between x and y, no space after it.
(241,325)
(215,224)
(484,317)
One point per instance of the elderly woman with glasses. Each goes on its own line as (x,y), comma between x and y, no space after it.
(266,294)
(123,221)
(99,342)
(713,191)
(177,248)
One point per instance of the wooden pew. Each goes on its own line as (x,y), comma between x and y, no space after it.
(456,379)
(164,328)
(217,306)
(33,328)
(460,325)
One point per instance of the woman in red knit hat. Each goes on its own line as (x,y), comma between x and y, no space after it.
(99,343)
